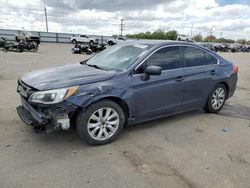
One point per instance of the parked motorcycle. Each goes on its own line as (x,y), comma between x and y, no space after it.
(88,49)
(18,47)
(31,46)
(78,48)
(97,47)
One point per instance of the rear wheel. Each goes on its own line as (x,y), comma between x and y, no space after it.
(101,122)
(216,99)
(74,41)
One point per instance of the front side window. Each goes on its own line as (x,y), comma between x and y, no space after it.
(194,57)
(168,58)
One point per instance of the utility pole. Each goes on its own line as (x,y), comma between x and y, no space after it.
(211,31)
(46,16)
(192,30)
(122,25)
(220,34)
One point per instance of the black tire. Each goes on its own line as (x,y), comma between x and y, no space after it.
(209,106)
(84,116)
(110,43)
(91,43)
(88,51)
(74,41)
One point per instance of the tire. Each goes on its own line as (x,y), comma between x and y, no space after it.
(88,51)
(74,41)
(91,42)
(95,135)
(216,99)
(110,43)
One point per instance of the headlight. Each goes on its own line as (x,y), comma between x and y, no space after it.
(52,96)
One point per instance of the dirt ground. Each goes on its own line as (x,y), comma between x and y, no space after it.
(188,150)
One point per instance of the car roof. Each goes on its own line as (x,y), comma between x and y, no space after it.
(162,42)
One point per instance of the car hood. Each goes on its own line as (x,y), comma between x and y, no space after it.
(65,76)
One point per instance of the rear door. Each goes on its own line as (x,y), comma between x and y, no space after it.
(162,93)
(199,72)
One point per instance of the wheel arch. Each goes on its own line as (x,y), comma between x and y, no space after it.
(226,86)
(122,103)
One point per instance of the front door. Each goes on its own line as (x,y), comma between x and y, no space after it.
(159,94)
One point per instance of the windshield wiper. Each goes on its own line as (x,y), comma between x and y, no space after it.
(95,66)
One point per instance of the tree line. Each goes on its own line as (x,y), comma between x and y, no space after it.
(172,35)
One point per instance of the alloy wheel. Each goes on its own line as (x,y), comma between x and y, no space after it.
(103,123)
(218,98)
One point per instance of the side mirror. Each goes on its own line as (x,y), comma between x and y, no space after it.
(152,70)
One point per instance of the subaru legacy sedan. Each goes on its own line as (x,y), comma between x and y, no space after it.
(128,83)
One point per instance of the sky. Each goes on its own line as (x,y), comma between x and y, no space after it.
(225,18)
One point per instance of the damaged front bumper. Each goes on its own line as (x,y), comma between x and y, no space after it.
(45,119)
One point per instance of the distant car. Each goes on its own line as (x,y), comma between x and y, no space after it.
(115,40)
(129,83)
(82,39)
(27,36)
(184,38)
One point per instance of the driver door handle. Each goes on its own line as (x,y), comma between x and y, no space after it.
(179,79)
(212,72)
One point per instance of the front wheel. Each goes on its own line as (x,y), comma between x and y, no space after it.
(101,122)
(216,99)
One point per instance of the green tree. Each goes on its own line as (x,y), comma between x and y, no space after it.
(223,40)
(242,41)
(197,38)
(210,39)
(171,35)
(159,34)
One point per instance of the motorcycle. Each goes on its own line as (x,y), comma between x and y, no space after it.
(88,49)
(31,46)
(97,47)
(77,49)
(18,47)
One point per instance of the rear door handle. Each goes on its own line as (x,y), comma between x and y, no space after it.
(212,72)
(179,79)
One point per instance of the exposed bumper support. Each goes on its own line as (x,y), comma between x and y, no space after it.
(28,109)
(45,121)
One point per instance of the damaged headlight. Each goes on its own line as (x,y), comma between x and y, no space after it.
(52,96)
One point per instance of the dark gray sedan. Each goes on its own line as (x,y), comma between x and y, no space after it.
(128,83)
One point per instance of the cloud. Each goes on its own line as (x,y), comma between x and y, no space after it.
(107,5)
(103,16)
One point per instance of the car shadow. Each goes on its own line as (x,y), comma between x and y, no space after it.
(72,138)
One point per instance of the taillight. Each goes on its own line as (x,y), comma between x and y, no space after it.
(235,69)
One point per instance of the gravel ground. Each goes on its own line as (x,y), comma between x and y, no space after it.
(188,150)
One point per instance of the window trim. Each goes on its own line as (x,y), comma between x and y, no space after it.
(182,57)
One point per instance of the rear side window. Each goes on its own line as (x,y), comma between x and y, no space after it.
(168,58)
(194,57)
(210,60)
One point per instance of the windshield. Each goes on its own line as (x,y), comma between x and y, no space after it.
(118,57)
